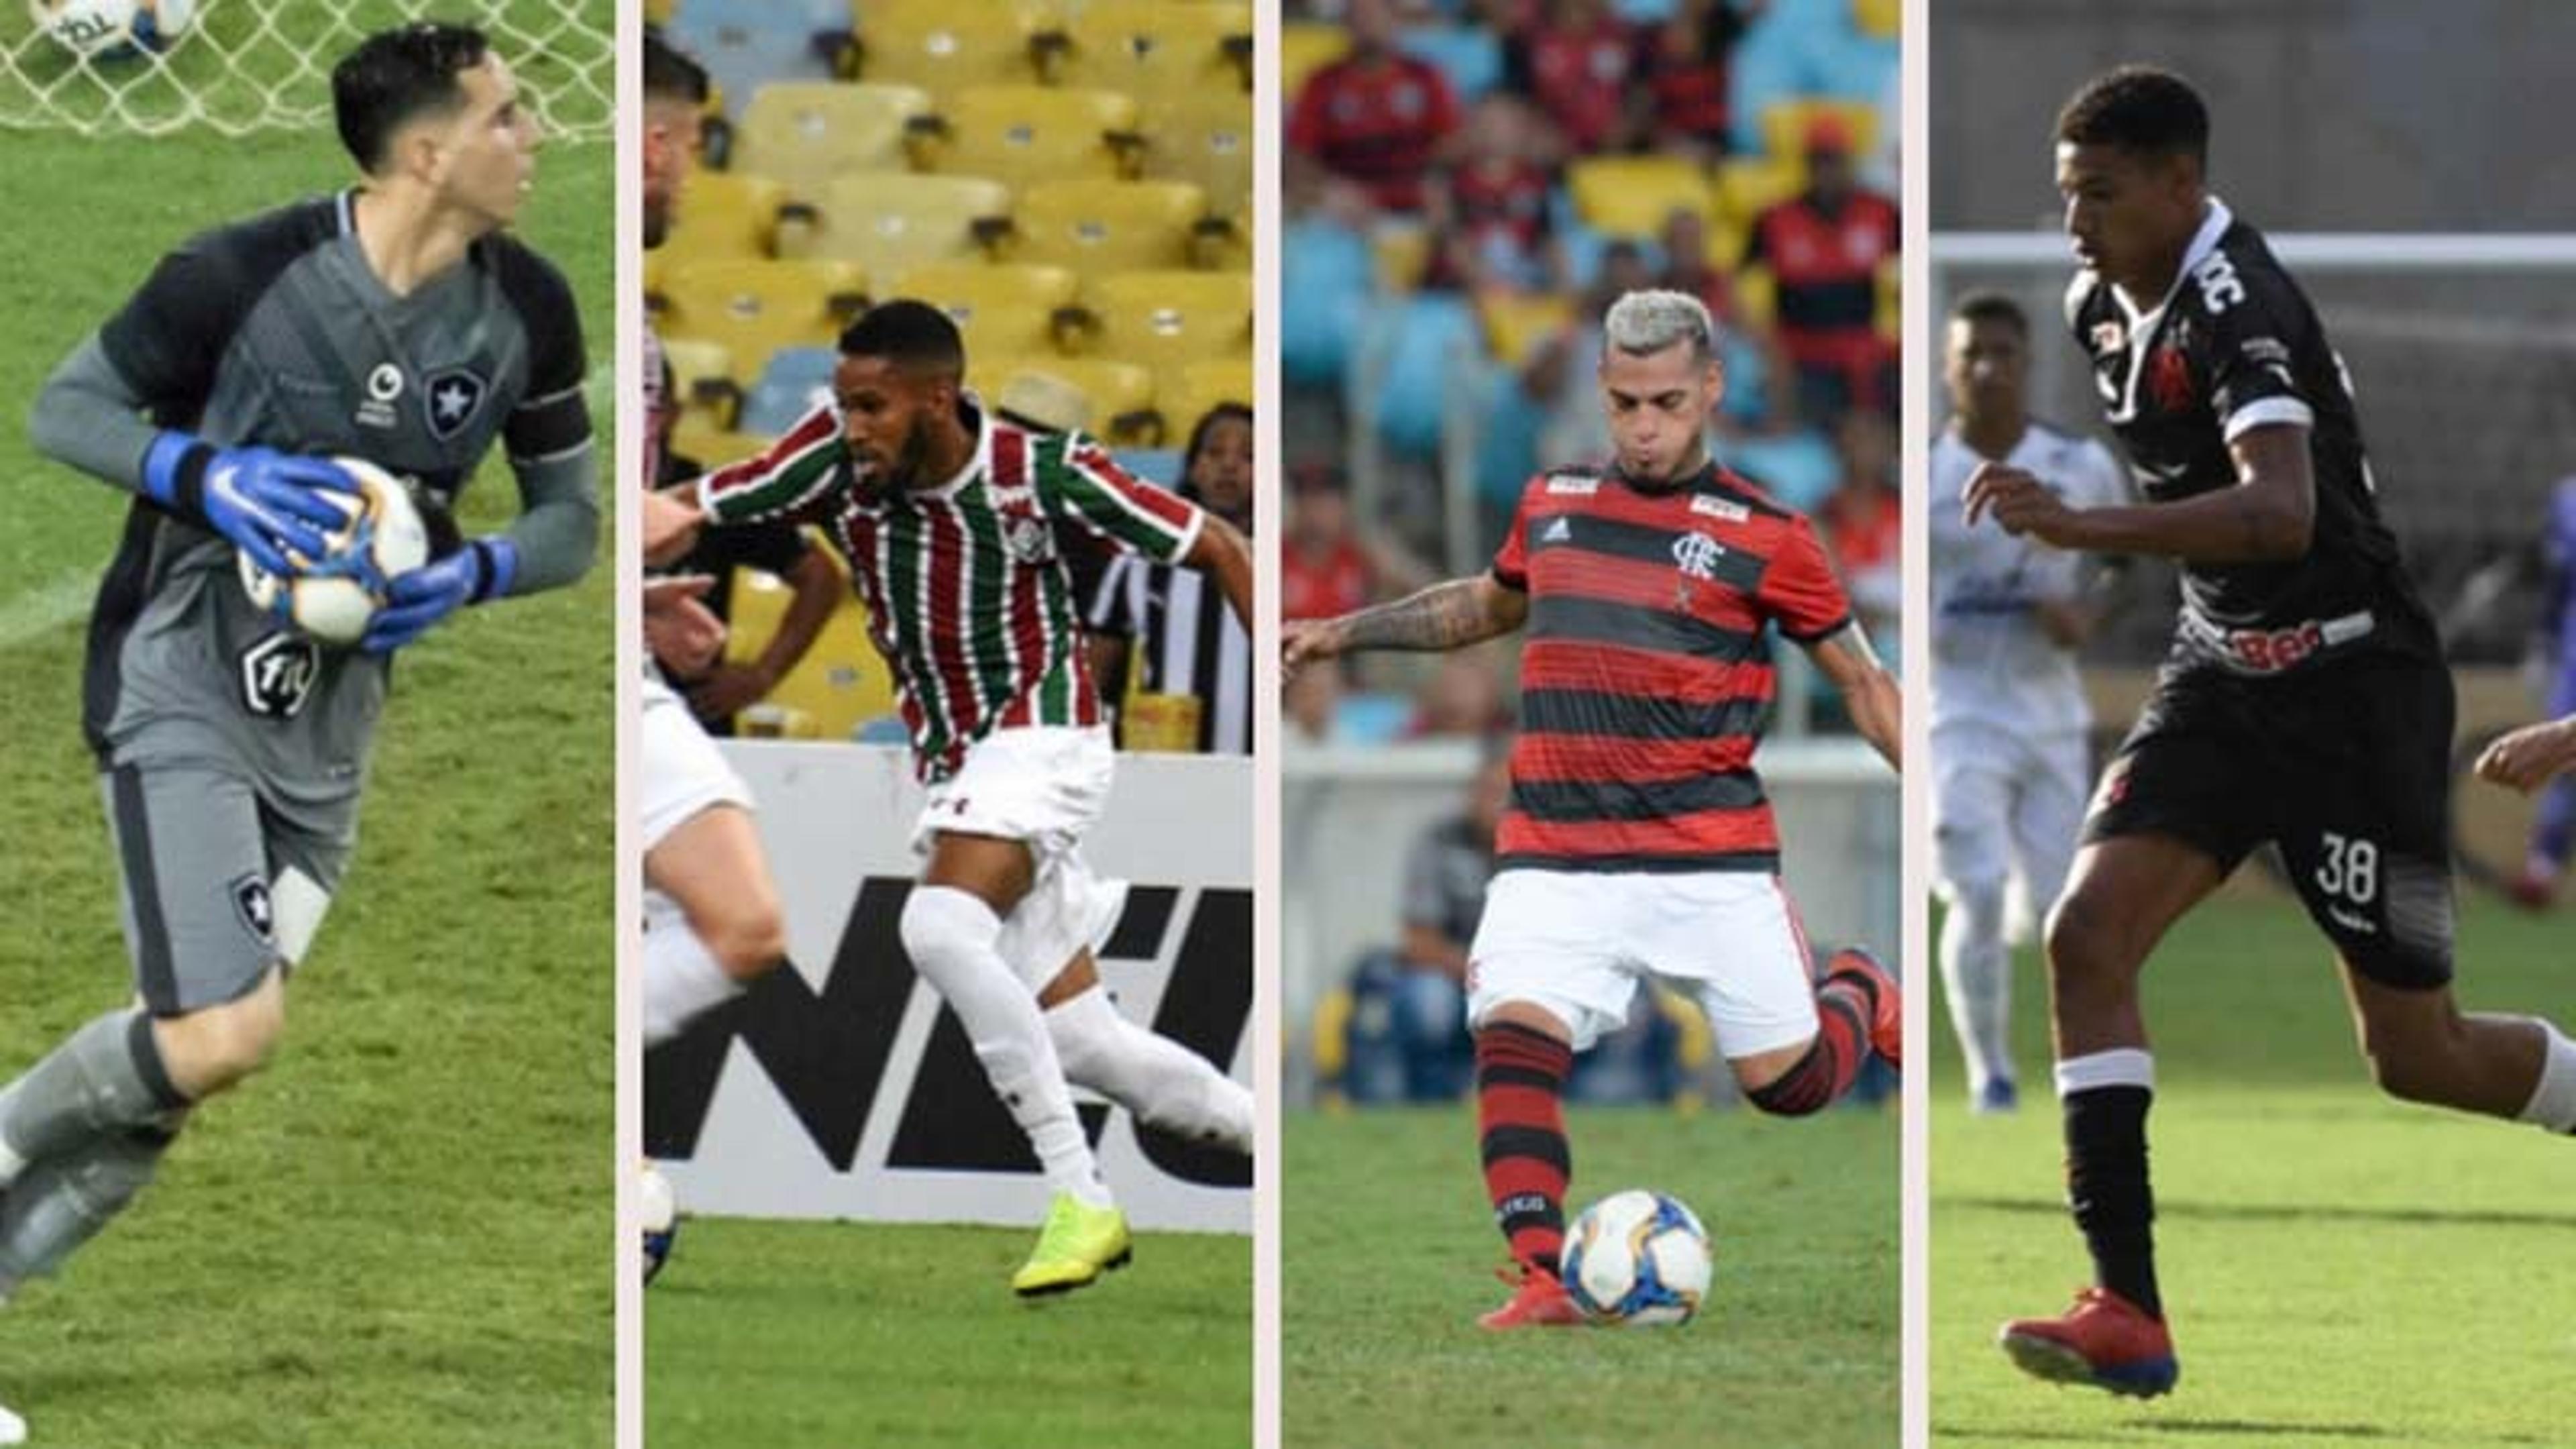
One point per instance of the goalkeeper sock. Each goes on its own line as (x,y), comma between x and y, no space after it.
(104,1078)
(64,1201)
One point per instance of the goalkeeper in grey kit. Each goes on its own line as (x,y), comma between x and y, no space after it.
(396,322)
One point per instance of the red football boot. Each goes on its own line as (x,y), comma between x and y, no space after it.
(1538,1302)
(1887,1023)
(2104,1340)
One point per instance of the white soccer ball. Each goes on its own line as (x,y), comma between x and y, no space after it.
(334,598)
(661,1220)
(1637,1258)
(106,29)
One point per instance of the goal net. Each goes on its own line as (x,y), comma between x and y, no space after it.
(2462,351)
(264,65)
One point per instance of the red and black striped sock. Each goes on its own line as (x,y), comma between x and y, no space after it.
(1520,1112)
(1843,1010)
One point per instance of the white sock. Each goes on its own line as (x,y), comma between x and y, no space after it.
(1158,1079)
(2553,1101)
(950,936)
(1976,970)
(682,981)
(2118,1067)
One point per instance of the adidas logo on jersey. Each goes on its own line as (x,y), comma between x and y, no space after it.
(1564,483)
(1724,510)
(1557,531)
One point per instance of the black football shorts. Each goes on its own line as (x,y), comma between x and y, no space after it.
(2347,766)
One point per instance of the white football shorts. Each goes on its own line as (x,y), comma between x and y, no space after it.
(1575,942)
(1044,785)
(2007,806)
(683,771)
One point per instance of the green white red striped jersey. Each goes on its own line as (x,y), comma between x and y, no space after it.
(967,592)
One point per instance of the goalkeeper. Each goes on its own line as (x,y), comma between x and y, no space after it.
(394,321)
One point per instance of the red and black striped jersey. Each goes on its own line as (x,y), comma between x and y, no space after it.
(1646,670)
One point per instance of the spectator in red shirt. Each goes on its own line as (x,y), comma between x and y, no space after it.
(1682,74)
(1328,567)
(1489,210)
(1577,61)
(1824,248)
(1863,521)
(1375,118)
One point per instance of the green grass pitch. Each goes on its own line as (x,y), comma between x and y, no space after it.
(2340,1269)
(1389,1244)
(822,1335)
(401,1234)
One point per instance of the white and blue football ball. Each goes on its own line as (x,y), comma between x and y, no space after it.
(661,1220)
(109,29)
(332,599)
(1637,1258)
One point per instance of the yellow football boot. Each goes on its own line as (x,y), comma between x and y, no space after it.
(1078,1245)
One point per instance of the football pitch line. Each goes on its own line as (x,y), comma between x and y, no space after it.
(61,601)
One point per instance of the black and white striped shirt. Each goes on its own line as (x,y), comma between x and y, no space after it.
(1181,634)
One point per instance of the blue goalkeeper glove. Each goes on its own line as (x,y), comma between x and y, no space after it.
(481,570)
(263,500)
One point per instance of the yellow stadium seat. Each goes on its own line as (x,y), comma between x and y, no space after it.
(1401,250)
(754,308)
(1155,49)
(1878,19)
(1026,134)
(999,309)
(806,132)
(1165,320)
(1785,125)
(1635,195)
(1196,390)
(1098,227)
(1515,325)
(1757,296)
(1750,188)
(1119,395)
(840,684)
(723,216)
(892,221)
(944,46)
(1305,47)
(1204,138)
(703,385)
(708,445)
(968,284)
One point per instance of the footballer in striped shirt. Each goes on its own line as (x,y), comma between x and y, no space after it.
(954,521)
(1637,840)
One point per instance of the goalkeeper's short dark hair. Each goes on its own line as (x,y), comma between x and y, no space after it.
(914,336)
(396,75)
(2140,109)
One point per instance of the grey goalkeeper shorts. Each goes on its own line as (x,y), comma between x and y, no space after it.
(216,886)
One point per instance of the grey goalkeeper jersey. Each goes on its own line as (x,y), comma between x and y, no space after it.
(277,331)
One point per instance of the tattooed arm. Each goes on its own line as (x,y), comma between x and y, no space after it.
(1444,616)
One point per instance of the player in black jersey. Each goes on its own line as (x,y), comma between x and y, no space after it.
(2304,700)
